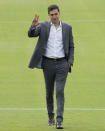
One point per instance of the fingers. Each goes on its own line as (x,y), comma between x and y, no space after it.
(36,17)
(35,20)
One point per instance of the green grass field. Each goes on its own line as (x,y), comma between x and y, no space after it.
(21,87)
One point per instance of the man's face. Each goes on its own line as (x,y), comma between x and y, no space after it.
(54,16)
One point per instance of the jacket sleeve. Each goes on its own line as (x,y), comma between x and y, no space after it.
(34,31)
(71,47)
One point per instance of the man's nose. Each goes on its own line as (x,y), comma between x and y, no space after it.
(54,16)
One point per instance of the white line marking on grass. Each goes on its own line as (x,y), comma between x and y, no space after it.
(15,22)
(44,109)
(22,109)
(87,21)
(85,109)
(72,21)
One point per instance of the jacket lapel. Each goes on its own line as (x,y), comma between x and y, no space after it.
(63,33)
(48,29)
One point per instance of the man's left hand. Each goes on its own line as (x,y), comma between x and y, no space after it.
(70,64)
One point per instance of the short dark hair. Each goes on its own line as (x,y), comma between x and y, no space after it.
(52,7)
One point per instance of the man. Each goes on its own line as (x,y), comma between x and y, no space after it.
(54,53)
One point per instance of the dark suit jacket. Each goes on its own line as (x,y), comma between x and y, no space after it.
(42,30)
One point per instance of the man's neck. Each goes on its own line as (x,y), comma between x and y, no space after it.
(57,24)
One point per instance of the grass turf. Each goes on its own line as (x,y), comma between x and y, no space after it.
(22,87)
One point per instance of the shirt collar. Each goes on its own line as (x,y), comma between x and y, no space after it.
(59,25)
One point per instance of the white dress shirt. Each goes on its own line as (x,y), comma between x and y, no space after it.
(55,43)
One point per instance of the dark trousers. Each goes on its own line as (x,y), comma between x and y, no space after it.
(55,72)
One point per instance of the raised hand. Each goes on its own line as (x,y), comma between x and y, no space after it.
(35,21)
